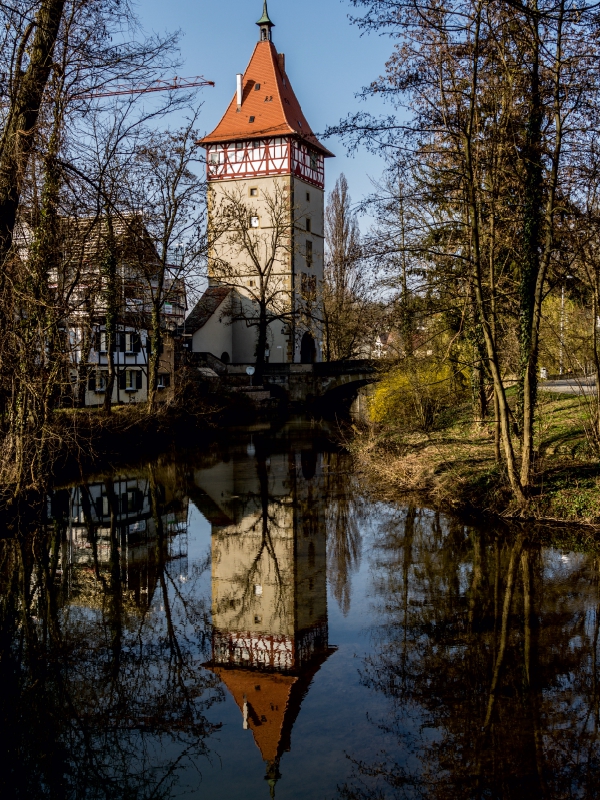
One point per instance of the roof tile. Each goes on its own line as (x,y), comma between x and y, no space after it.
(272,110)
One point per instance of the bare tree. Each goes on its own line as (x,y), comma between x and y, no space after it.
(347,305)
(254,258)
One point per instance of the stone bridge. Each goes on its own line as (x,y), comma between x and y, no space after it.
(330,382)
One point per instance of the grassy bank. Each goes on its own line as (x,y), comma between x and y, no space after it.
(454,466)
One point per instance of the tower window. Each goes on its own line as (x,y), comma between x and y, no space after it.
(257,87)
(254,222)
(309,254)
(308,197)
(313,161)
(308,223)
(253,192)
(239,145)
(251,119)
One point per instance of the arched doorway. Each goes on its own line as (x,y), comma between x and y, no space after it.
(308,350)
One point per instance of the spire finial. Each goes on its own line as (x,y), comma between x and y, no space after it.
(272,776)
(265,24)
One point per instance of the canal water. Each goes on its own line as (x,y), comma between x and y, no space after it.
(245,622)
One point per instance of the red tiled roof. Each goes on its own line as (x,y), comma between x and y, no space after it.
(274,107)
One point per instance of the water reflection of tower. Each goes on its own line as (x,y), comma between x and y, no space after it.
(269,593)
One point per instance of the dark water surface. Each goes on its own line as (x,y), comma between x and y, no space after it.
(243,623)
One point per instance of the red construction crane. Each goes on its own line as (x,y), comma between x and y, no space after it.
(155,86)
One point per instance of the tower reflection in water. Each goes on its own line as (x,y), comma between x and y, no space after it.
(269,587)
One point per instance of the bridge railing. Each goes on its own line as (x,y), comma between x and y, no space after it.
(330,368)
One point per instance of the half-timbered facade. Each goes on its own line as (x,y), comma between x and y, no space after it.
(264,147)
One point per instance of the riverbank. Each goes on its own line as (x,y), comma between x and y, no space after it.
(453,467)
(91,439)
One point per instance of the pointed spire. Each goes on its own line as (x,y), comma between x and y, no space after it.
(265,24)
(272,776)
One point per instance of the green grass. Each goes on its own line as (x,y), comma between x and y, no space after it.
(455,466)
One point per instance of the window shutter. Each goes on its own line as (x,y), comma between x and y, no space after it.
(148,344)
(138,379)
(92,382)
(167,381)
(122,383)
(135,338)
(121,342)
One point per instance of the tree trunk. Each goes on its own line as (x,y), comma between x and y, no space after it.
(261,343)
(154,360)
(537,253)
(532,215)
(17,137)
(490,344)
(112,309)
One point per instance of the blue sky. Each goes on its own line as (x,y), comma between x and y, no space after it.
(327,60)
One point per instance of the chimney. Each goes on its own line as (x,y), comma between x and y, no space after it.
(281,59)
(239,78)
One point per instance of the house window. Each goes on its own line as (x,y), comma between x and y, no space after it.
(132,380)
(257,87)
(97,382)
(251,119)
(103,342)
(308,197)
(253,192)
(309,254)
(239,145)
(308,223)
(128,343)
(254,222)
(258,589)
(164,381)
(168,308)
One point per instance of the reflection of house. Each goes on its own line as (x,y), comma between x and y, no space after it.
(269,593)
(115,520)
(263,145)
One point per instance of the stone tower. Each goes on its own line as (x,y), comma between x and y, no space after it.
(263,148)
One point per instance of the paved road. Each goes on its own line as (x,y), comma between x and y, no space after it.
(570,386)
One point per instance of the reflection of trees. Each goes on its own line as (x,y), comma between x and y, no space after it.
(102,698)
(487,653)
(343,534)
